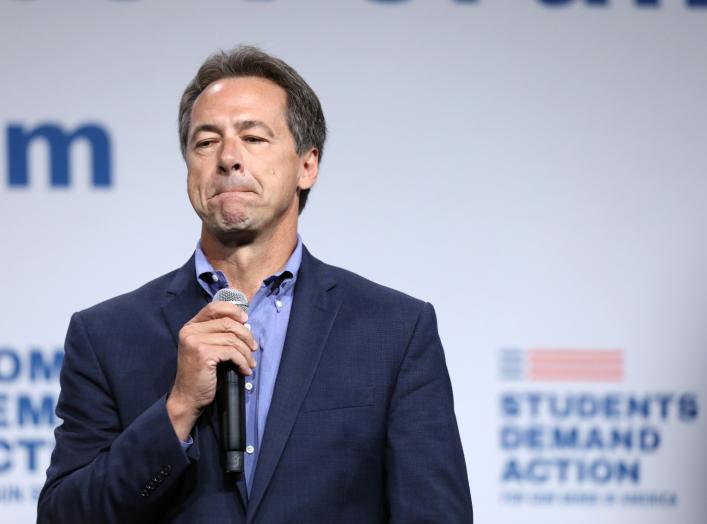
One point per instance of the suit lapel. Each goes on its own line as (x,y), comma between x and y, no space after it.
(313,312)
(184,300)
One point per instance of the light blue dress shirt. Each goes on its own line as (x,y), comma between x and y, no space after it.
(268,316)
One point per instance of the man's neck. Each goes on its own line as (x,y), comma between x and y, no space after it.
(246,265)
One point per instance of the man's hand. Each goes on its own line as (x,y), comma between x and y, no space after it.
(216,334)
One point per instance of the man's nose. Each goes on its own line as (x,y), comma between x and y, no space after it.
(230,157)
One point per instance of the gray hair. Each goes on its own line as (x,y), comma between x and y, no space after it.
(305,117)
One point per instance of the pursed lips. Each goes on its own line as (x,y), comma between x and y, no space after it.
(233,191)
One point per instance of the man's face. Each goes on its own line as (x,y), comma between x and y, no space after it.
(243,168)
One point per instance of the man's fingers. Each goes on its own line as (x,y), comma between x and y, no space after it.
(216,334)
(229,340)
(226,354)
(212,355)
(225,325)
(214,310)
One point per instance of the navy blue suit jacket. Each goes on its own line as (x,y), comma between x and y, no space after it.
(361,428)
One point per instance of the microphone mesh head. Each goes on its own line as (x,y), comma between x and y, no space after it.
(233,296)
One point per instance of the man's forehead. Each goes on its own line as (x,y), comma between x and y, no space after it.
(247,92)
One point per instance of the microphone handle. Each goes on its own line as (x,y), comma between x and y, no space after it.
(230,390)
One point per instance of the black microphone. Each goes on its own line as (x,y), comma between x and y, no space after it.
(230,395)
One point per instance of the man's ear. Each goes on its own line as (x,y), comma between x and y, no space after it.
(309,169)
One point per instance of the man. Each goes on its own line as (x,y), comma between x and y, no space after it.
(349,411)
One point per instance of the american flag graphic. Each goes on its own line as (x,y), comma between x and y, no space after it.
(563,365)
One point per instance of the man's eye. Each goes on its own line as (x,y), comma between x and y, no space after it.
(253,139)
(204,143)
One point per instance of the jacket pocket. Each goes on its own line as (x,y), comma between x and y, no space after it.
(339,399)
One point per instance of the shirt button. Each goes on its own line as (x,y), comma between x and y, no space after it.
(214,277)
(249,450)
(278,304)
(249,385)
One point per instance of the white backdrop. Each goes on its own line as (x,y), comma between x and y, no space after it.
(537,172)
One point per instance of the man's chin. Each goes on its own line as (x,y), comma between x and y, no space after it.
(233,233)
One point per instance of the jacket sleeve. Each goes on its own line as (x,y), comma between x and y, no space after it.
(100,470)
(425,469)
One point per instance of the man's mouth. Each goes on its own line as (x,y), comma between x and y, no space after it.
(233,191)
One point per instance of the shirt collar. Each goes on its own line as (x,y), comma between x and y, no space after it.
(212,280)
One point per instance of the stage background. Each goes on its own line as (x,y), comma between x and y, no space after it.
(535,169)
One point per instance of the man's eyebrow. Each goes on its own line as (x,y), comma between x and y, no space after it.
(204,127)
(243,125)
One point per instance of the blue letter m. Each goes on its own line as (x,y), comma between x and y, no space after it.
(18,140)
